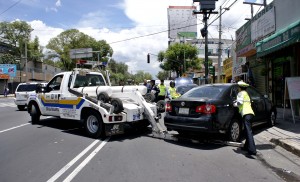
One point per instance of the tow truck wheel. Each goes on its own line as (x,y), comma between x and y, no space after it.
(93,124)
(149,97)
(103,96)
(161,106)
(35,115)
(118,105)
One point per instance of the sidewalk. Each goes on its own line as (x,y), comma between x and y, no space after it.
(285,133)
(9,95)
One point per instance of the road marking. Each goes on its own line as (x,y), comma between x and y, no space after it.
(8,105)
(83,163)
(14,127)
(72,162)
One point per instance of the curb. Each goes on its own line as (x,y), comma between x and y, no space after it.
(285,144)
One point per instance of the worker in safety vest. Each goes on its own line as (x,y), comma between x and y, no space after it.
(172,93)
(243,102)
(162,91)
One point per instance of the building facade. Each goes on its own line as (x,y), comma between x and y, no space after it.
(270,42)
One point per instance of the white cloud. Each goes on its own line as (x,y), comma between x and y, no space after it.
(43,32)
(58,3)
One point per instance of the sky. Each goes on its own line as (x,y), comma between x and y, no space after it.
(131,27)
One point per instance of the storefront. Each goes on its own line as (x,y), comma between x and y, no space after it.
(282,53)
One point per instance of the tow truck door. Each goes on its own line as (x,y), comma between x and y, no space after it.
(51,97)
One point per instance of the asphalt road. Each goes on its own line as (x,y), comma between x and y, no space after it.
(58,150)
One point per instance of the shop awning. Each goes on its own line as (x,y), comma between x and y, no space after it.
(281,39)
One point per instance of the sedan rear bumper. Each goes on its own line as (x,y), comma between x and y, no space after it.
(203,124)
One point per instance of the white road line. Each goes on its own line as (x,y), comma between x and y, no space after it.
(83,163)
(66,167)
(14,127)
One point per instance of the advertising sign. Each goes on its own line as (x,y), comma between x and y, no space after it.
(8,69)
(263,24)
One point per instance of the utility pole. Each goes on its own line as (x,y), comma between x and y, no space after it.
(26,61)
(258,4)
(206,47)
(206,8)
(220,45)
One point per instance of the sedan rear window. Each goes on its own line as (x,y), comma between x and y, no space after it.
(27,88)
(204,91)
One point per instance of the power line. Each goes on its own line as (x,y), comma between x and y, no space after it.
(10,7)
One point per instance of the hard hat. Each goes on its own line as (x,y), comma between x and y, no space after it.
(242,84)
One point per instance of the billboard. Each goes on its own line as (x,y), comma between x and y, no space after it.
(8,69)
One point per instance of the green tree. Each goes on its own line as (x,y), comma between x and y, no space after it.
(118,72)
(34,51)
(140,76)
(179,56)
(163,75)
(74,39)
(15,34)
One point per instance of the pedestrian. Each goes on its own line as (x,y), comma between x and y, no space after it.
(162,90)
(154,89)
(243,102)
(5,91)
(147,85)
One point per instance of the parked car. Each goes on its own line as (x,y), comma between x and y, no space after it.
(183,81)
(184,88)
(209,109)
(22,92)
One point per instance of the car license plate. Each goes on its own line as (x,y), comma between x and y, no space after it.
(183,110)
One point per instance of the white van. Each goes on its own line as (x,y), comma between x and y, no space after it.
(22,92)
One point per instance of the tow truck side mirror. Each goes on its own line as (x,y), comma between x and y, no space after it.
(40,88)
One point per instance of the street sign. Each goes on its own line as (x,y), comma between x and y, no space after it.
(81,53)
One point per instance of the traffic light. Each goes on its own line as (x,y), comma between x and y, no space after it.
(148,58)
(203,32)
(212,70)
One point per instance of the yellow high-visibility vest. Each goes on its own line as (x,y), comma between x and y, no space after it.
(174,93)
(245,103)
(162,90)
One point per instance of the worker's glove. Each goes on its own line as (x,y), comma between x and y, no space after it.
(235,103)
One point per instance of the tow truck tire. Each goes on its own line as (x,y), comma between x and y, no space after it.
(35,114)
(118,105)
(149,97)
(103,96)
(161,105)
(93,124)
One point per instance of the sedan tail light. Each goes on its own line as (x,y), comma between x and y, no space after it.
(168,107)
(206,109)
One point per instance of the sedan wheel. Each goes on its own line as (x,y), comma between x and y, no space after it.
(235,131)
(272,119)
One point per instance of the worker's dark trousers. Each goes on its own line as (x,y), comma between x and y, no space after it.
(249,144)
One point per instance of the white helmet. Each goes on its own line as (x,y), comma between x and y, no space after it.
(242,84)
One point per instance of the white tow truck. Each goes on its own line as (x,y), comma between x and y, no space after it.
(86,96)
